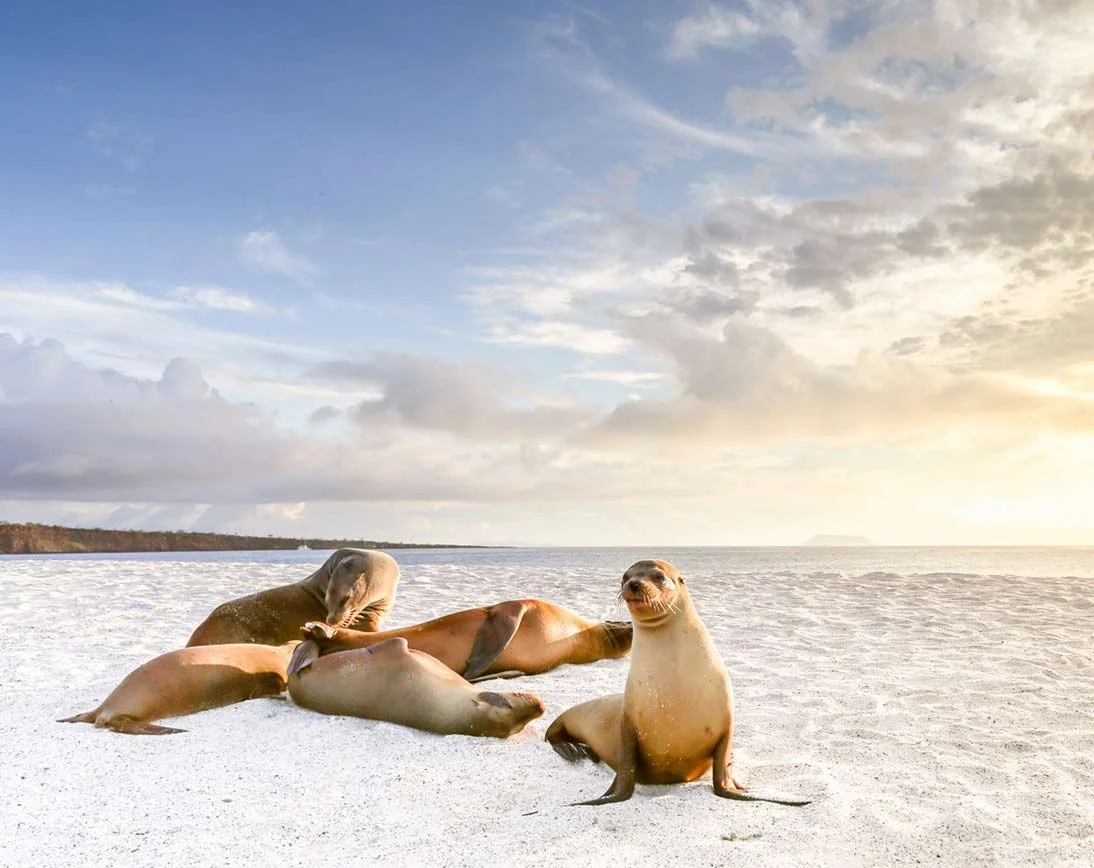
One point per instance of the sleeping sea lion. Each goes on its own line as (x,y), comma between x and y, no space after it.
(190,680)
(389,681)
(517,637)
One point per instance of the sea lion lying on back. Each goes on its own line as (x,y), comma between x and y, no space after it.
(517,637)
(353,587)
(190,680)
(675,718)
(391,682)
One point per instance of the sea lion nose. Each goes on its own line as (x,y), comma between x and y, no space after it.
(634,585)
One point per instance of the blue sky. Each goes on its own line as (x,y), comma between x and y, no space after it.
(720,273)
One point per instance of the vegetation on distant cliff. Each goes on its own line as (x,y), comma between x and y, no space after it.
(29,539)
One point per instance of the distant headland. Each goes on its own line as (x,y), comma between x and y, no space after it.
(835,539)
(40,539)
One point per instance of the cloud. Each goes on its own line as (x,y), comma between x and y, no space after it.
(263,250)
(658,119)
(216,298)
(573,58)
(560,335)
(119,144)
(711,26)
(69,432)
(748,385)
(464,399)
(623,378)
(442,436)
(116,325)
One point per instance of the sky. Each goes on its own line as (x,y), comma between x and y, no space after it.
(550,273)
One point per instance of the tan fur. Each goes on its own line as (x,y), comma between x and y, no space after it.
(190,680)
(355,586)
(391,682)
(547,635)
(674,722)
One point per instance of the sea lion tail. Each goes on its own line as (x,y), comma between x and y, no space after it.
(86,717)
(305,655)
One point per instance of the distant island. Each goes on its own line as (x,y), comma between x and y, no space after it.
(40,539)
(835,539)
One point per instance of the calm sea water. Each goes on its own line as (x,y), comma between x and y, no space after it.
(897,561)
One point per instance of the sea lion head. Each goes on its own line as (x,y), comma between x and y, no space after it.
(505,714)
(651,590)
(349,590)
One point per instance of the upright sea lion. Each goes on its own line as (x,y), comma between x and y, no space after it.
(389,681)
(353,586)
(189,680)
(675,718)
(517,637)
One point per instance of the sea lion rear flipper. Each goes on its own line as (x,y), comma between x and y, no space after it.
(139,727)
(305,654)
(494,634)
(86,717)
(566,746)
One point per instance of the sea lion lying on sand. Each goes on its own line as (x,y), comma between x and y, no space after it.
(190,680)
(389,681)
(675,718)
(353,587)
(517,637)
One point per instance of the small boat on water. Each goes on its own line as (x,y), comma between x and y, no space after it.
(303,547)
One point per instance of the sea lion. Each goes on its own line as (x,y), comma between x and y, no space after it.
(190,680)
(389,681)
(353,586)
(675,718)
(517,637)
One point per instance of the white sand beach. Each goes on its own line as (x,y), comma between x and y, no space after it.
(934,718)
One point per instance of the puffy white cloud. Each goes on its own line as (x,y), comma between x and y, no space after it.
(468,399)
(263,250)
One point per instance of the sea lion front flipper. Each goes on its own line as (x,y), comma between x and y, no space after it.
(494,634)
(304,655)
(626,775)
(319,631)
(724,783)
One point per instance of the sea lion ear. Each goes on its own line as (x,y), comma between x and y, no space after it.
(680,579)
